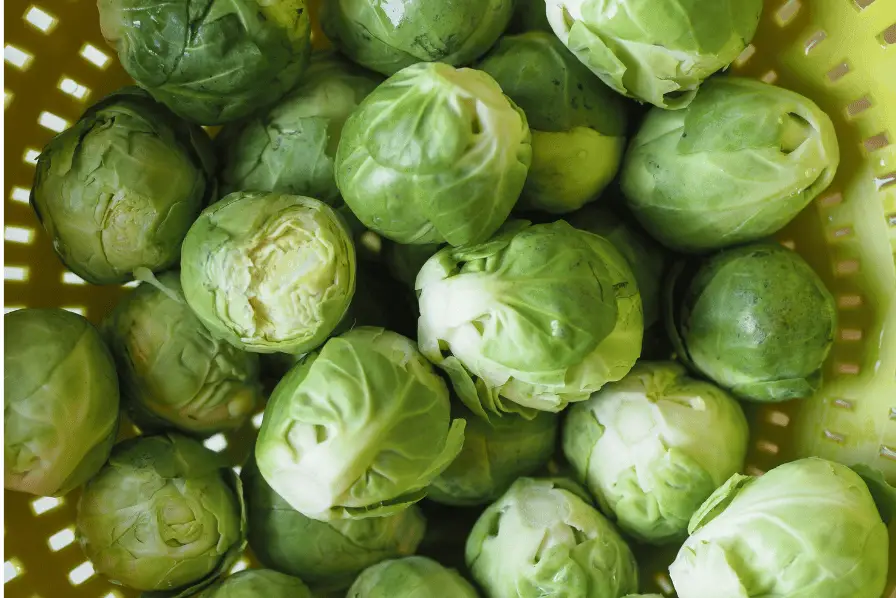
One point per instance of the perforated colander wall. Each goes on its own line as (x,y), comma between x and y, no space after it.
(841,53)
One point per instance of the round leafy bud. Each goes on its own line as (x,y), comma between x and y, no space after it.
(388,37)
(173,373)
(411,577)
(359,429)
(542,538)
(735,166)
(656,51)
(269,272)
(60,396)
(435,154)
(756,320)
(327,555)
(119,190)
(211,61)
(165,513)
(653,446)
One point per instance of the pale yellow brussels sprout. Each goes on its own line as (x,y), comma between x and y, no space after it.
(269,272)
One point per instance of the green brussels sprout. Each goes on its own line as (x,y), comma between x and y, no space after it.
(645,256)
(405,261)
(656,51)
(411,577)
(269,272)
(359,429)
(291,147)
(211,61)
(389,36)
(60,406)
(327,555)
(165,513)
(435,154)
(536,318)
(542,538)
(756,320)
(736,166)
(495,454)
(529,15)
(119,190)
(578,124)
(173,374)
(806,528)
(258,583)
(653,446)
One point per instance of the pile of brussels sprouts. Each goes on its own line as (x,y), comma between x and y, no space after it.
(488,365)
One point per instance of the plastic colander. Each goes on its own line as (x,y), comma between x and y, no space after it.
(840,53)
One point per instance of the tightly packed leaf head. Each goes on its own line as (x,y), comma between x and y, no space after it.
(756,320)
(656,51)
(543,539)
(165,513)
(578,123)
(735,166)
(269,272)
(60,406)
(174,373)
(535,318)
(291,148)
(653,446)
(327,555)
(411,577)
(389,36)
(435,154)
(258,583)
(210,61)
(119,190)
(804,529)
(359,429)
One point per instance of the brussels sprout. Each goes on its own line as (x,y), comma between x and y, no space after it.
(291,147)
(258,583)
(806,528)
(165,513)
(495,454)
(326,555)
(411,577)
(405,261)
(656,51)
(359,429)
(60,406)
(529,15)
(543,539)
(173,373)
(269,272)
(119,190)
(736,166)
(578,124)
(645,256)
(389,36)
(210,61)
(534,319)
(653,446)
(756,320)
(434,155)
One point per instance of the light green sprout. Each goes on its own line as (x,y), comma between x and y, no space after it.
(269,272)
